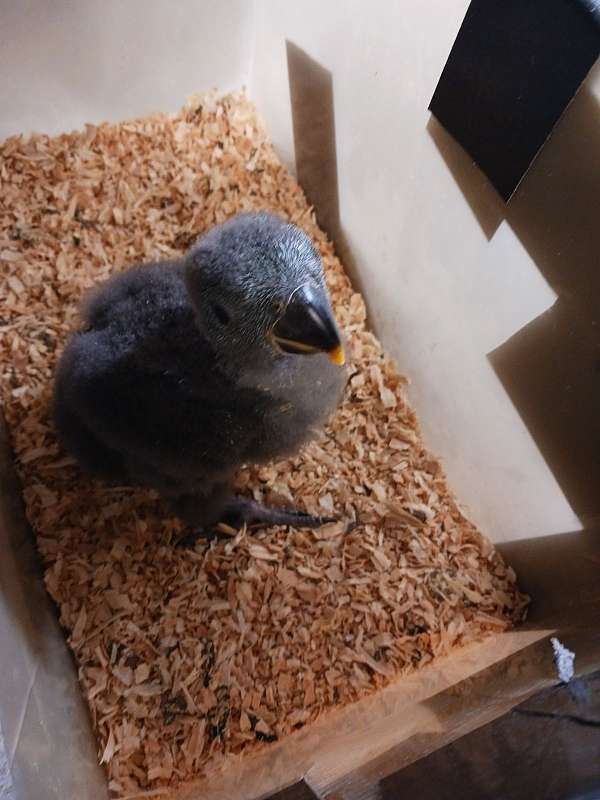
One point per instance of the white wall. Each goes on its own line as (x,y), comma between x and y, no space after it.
(67,62)
(441,295)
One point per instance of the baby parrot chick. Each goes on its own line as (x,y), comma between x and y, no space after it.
(187,369)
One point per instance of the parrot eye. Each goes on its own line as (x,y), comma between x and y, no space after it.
(221,314)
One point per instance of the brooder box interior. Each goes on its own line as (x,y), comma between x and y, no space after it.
(462,294)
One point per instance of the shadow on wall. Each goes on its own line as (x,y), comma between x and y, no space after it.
(313,121)
(485,203)
(551,367)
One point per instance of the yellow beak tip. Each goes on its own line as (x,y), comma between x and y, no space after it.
(338,356)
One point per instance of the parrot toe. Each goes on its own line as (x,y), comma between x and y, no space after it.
(240,511)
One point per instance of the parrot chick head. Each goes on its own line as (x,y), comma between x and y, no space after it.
(257,285)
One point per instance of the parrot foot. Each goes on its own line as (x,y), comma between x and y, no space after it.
(242,511)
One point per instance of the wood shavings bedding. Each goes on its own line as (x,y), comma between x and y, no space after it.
(187,656)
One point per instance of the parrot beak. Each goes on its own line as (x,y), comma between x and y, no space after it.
(307,326)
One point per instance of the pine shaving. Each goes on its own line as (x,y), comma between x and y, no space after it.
(187,656)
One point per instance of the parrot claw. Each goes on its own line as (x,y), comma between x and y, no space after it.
(240,511)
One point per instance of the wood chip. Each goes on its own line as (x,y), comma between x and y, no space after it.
(188,655)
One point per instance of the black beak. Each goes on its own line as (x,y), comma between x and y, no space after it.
(307,326)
